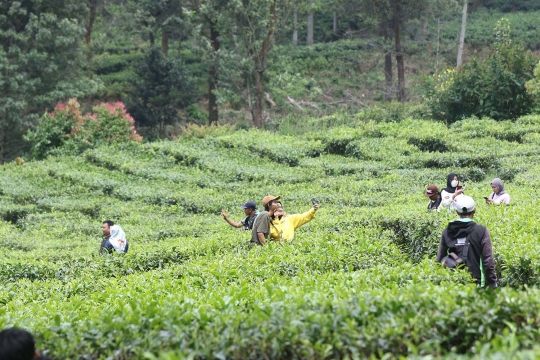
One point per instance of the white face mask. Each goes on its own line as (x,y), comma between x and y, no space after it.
(454,183)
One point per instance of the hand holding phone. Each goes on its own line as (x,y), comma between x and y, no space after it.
(485,197)
(315,205)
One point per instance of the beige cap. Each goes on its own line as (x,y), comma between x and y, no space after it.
(269,198)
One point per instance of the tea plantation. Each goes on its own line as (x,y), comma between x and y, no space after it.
(360,281)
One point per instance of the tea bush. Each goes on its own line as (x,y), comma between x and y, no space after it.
(359,281)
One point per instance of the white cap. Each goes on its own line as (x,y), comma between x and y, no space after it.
(464,204)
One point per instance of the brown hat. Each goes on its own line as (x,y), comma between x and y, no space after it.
(269,198)
(431,190)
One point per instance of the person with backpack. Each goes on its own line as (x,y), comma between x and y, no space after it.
(467,243)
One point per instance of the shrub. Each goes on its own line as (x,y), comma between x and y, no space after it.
(196,115)
(53,128)
(493,87)
(533,85)
(67,129)
(109,123)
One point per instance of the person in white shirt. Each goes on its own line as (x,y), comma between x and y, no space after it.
(451,191)
(498,196)
(114,238)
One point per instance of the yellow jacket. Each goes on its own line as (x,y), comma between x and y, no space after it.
(283,229)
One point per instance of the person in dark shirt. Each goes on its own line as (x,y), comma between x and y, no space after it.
(250,209)
(467,242)
(106,246)
(18,344)
(432,192)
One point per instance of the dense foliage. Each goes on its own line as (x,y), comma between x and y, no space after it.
(359,281)
(160,89)
(248,64)
(67,130)
(492,87)
(41,62)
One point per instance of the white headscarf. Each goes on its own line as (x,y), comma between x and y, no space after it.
(118,238)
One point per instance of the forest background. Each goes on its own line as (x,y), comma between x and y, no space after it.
(260,63)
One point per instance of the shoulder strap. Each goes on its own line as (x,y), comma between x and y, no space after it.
(465,250)
(466,247)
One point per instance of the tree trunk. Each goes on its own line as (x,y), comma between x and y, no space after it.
(400,65)
(310,24)
(258,109)
(462,35)
(90,26)
(3,146)
(213,114)
(152,40)
(295,28)
(259,59)
(438,44)
(234,35)
(424,28)
(165,43)
(388,76)
(387,66)
(334,27)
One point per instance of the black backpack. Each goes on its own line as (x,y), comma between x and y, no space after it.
(452,261)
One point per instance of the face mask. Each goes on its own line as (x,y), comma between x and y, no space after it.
(454,183)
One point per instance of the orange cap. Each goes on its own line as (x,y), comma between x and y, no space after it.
(269,198)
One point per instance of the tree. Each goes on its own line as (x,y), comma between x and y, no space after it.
(40,60)
(494,86)
(210,13)
(156,18)
(462,34)
(309,37)
(92,12)
(161,89)
(393,14)
(256,21)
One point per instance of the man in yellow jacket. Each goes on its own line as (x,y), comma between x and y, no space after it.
(283,225)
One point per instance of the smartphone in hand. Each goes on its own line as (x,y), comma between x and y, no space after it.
(485,197)
(459,187)
(313,201)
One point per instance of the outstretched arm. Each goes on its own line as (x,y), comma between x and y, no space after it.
(232,223)
(301,219)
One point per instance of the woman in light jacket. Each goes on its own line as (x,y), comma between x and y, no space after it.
(498,196)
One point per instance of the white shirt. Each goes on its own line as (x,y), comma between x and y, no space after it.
(447,201)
